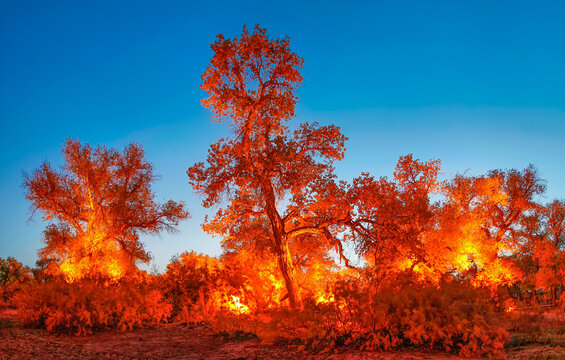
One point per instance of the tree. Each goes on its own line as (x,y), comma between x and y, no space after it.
(100,202)
(544,247)
(13,275)
(12,271)
(251,82)
(554,214)
(388,218)
(481,223)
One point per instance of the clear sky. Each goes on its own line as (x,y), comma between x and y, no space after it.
(477,84)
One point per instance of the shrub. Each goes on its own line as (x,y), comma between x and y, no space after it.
(451,317)
(86,306)
(196,285)
(201,287)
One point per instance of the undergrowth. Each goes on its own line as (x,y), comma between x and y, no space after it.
(87,306)
(452,318)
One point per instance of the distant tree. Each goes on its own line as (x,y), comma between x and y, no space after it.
(554,214)
(251,82)
(475,230)
(100,202)
(42,271)
(12,271)
(13,275)
(518,191)
(544,248)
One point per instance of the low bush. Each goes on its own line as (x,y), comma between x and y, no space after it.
(87,306)
(453,318)
(197,286)
(353,310)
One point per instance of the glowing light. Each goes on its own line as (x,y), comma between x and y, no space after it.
(236,306)
(94,256)
(325,299)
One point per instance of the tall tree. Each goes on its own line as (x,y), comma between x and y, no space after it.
(100,202)
(252,82)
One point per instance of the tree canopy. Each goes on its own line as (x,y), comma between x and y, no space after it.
(98,203)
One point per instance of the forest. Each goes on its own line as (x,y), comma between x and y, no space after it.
(467,265)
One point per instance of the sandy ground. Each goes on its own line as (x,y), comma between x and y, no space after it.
(180,342)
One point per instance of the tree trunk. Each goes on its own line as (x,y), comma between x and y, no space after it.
(284,257)
(280,241)
(287,270)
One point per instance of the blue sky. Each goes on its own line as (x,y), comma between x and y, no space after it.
(477,84)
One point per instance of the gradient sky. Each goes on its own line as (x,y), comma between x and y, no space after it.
(477,84)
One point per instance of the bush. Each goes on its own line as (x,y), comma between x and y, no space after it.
(201,287)
(87,306)
(537,327)
(452,317)
(197,286)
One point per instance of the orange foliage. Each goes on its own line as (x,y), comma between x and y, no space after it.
(86,306)
(475,228)
(236,306)
(452,316)
(100,201)
(199,286)
(104,259)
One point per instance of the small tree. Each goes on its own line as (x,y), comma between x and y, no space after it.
(251,82)
(100,201)
(12,271)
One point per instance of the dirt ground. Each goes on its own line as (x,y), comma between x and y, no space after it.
(181,342)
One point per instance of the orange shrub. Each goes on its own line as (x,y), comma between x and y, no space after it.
(452,317)
(86,306)
(197,285)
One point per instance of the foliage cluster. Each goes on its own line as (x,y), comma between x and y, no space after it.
(99,202)
(451,316)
